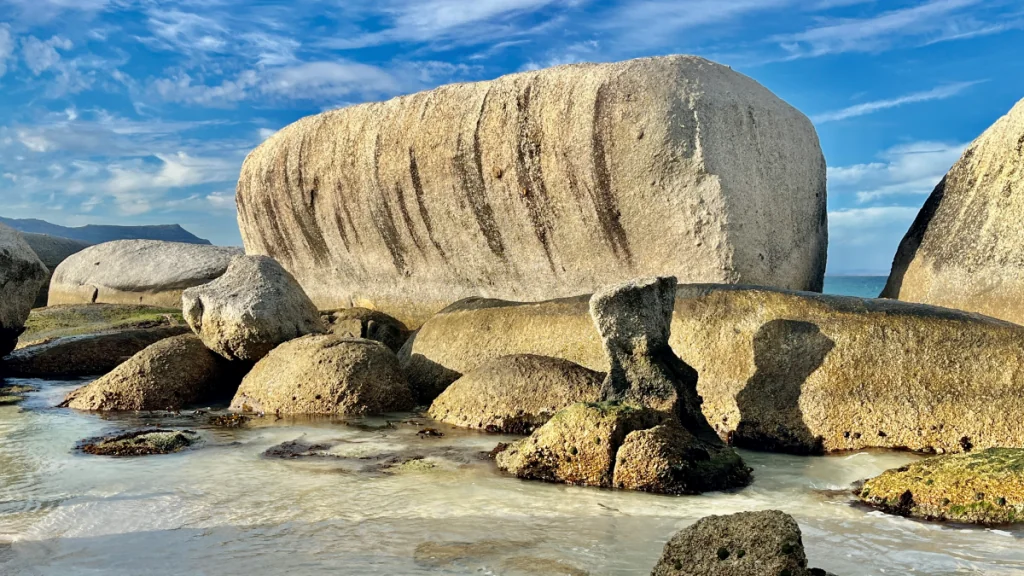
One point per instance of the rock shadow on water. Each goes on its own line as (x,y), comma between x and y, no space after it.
(786,353)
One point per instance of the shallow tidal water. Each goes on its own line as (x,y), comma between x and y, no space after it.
(224,509)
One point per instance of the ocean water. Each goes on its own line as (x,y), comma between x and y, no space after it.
(223,509)
(862,286)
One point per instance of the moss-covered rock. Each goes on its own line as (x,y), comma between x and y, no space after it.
(141,443)
(53,322)
(14,394)
(516,394)
(985,487)
(766,543)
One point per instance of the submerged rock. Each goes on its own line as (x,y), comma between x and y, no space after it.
(52,250)
(14,394)
(965,250)
(366,323)
(21,275)
(516,394)
(252,308)
(326,374)
(85,355)
(765,543)
(984,487)
(148,272)
(141,443)
(169,375)
(781,370)
(542,184)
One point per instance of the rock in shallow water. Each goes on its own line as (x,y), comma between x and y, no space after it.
(21,275)
(169,375)
(326,374)
(141,443)
(765,543)
(252,308)
(781,370)
(516,394)
(541,184)
(985,487)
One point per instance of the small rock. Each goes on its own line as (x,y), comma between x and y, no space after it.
(141,443)
(765,543)
(984,487)
(229,420)
(255,306)
(366,323)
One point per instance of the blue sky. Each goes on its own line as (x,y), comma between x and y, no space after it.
(136,112)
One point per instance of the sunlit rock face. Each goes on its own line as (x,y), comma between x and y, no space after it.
(541,185)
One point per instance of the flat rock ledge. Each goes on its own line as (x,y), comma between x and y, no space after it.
(984,487)
(141,443)
(766,543)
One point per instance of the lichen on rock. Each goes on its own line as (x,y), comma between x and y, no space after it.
(141,443)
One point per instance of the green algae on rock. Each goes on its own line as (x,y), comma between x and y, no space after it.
(141,443)
(45,324)
(984,487)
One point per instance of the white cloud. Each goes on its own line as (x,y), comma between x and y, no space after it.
(42,55)
(177,171)
(908,169)
(6,47)
(940,93)
(864,240)
(928,22)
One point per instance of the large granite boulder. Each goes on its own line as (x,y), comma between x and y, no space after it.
(52,322)
(325,374)
(21,275)
(781,370)
(252,308)
(137,272)
(516,394)
(983,487)
(84,355)
(542,184)
(767,543)
(52,250)
(172,374)
(965,250)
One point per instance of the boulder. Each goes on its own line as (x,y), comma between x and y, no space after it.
(366,323)
(984,487)
(781,370)
(965,250)
(21,275)
(137,272)
(85,355)
(542,184)
(141,443)
(326,374)
(46,324)
(765,543)
(516,394)
(172,374)
(587,443)
(52,250)
(252,308)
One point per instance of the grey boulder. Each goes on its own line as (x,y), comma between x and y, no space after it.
(21,275)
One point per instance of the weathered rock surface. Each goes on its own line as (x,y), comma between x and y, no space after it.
(21,275)
(765,543)
(172,374)
(984,487)
(781,370)
(326,374)
(965,250)
(137,272)
(252,308)
(516,394)
(141,443)
(366,323)
(85,355)
(623,446)
(542,184)
(46,324)
(52,250)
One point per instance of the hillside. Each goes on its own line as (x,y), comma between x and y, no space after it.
(96,234)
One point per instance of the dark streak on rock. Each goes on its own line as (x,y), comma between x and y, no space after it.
(417,187)
(605,204)
(530,176)
(306,219)
(383,217)
(469,168)
(404,210)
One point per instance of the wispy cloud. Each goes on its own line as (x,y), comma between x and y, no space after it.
(939,93)
(864,240)
(908,169)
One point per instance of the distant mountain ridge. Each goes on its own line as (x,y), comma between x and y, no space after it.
(97,234)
